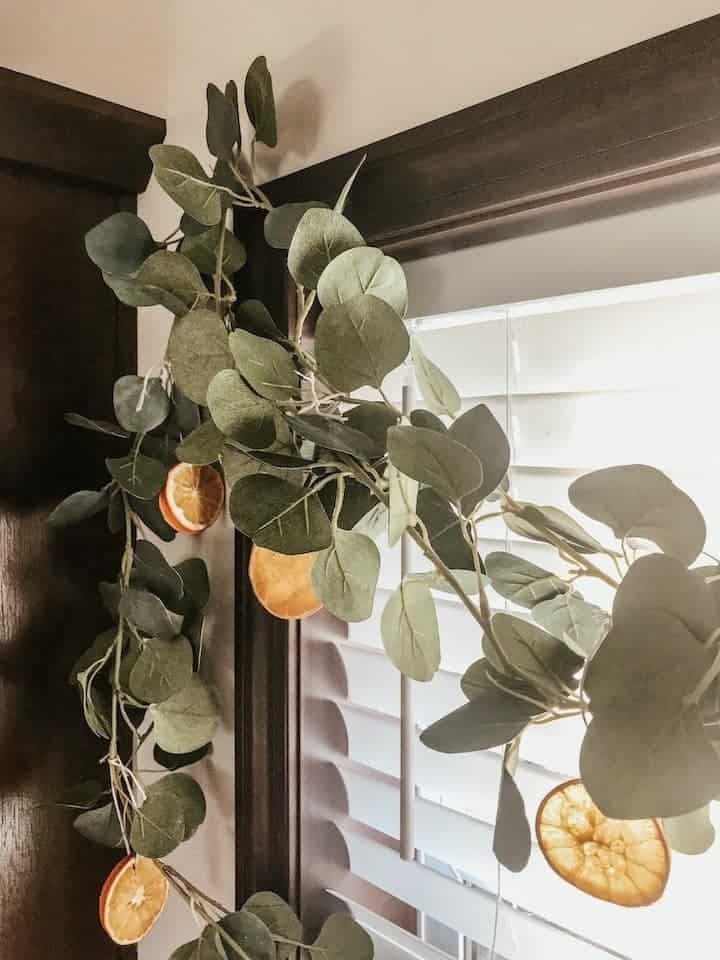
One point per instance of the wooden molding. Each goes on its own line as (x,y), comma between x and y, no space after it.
(47,127)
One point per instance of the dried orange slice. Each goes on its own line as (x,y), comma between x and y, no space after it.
(624,861)
(132,899)
(282,583)
(193,497)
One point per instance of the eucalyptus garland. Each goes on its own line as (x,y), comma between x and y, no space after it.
(313,474)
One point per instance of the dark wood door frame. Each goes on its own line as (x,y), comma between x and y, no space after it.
(633,128)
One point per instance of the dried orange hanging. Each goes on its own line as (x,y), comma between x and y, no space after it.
(132,899)
(282,583)
(624,861)
(192,499)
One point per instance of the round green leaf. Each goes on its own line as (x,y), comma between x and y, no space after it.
(182,177)
(266,366)
(374,420)
(190,796)
(580,625)
(444,529)
(260,102)
(222,130)
(435,459)
(119,244)
(254,316)
(187,720)
(692,833)
(364,270)
(279,515)
(533,521)
(280,919)
(198,350)
(140,405)
(196,581)
(531,650)
(149,512)
(410,631)
(521,581)
(282,222)
(239,412)
(78,507)
(149,614)
(203,446)
(490,719)
(138,475)
(334,435)
(437,390)
(152,571)
(158,827)
(130,292)
(512,840)
(320,236)
(358,343)
(424,418)
(163,668)
(478,430)
(342,938)
(100,825)
(403,492)
(187,951)
(202,250)
(170,279)
(345,576)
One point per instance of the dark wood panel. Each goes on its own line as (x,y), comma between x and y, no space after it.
(585,142)
(51,128)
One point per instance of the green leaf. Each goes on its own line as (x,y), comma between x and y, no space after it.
(279,918)
(187,951)
(187,720)
(403,503)
(436,581)
(202,249)
(532,651)
(266,366)
(203,446)
(182,177)
(140,405)
(580,625)
(423,418)
(174,761)
(163,668)
(196,581)
(374,420)
(333,435)
(345,192)
(222,130)
(188,792)
(149,512)
(260,102)
(357,502)
(280,516)
(435,459)
(171,280)
(649,762)
(480,675)
(239,412)
(282,222)
(100,825)
(149,614)
(151,570)
(99,426)
(437,390)
(119,244)
(320,236)
(78,507)
(238,464)
(445,531)
(138,475)
(512,840)
(533,521)
(84,795)
(410,632)
(639,501)
(478,430)
(342,938)
(490,719)
(249,932)
(158,827)
(359,343)
(198,350)
(345,576)
(692,833)
(130,292)
(254,316)
(521,581)
(364,270)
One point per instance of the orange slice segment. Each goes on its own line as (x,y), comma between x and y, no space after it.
(626,862)
(282,583)
(193,497)
(132,899)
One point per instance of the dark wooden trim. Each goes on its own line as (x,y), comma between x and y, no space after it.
(607,135)
(633,128)
(48,127)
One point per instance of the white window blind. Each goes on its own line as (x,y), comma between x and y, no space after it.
(580,381)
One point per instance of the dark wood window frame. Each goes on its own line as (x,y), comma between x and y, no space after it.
(637,127)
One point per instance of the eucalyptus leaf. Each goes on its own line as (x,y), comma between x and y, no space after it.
(692,833)
(345,576)
(198,350)
(132,293)
(342,938)
(282,222)
(358,501)
(437,390)
(100,825)
(266,366)
(640,501)
(202,250)
(238,464)
(478,430)
(158,827)
(254,316)
(140,404)
(320,236)
(99,426)
(172,281)
(521,581)
(84,795)
(450,468)
(164,667)
(175,761)
(190,796)
(187,720)
(424,418)
(186,951)
(280,516)
(182,177)
(240,413)
(333,435)
(359,342)
(533,522)
(119,244)
(374,420)
(410,631)
(539,657)
(490,719)
(481,676)
(444,530)
(222,130)
(512,840)
(152,571)
(342,199)
(466,578)
(78,507)
(138,475)
(580,625)
(148,511)
(403,492)
(149,614)
(260,102)
(203,446)
(280,919)
(364,270)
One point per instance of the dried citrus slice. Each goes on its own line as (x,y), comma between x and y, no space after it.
(624,861)
(193,497)
(282,583)
(132,899)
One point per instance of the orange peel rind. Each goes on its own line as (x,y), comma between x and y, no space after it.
(283,584)
(132,899)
